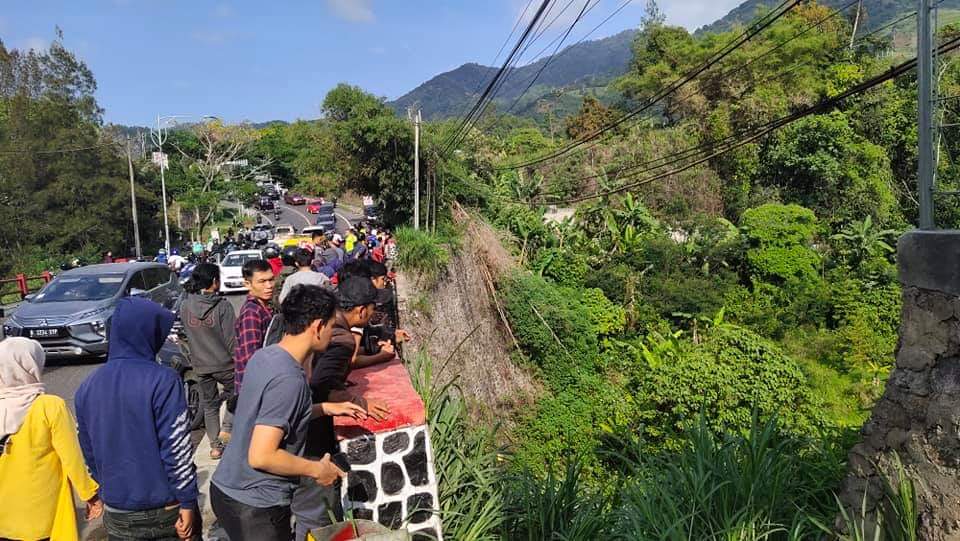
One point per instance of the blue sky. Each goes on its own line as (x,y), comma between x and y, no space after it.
(258,60)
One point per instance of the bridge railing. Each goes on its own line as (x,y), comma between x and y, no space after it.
(15,289)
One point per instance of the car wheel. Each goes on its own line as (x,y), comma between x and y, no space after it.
(191,387)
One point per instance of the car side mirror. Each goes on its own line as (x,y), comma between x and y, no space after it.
(29,297)
(137,292)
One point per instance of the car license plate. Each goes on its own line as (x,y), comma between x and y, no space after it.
(44,333)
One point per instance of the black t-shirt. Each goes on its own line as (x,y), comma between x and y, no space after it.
(329,374)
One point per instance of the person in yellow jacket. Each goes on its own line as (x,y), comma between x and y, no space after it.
(40,458)
(350,240)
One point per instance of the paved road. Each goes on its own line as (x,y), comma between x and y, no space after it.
(63,377)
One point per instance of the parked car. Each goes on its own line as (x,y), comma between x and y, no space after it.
(264,203)
(231,275)
(313,206)
(294,199)
(371,214)
(175,354)
(70,316)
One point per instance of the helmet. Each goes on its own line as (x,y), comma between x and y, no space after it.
(174,251)
(337,238)
(286,256)
(270,252)
(161,251)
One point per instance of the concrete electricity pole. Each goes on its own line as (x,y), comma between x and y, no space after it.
(927,154)
(159,137)
(416,165)
(133,201)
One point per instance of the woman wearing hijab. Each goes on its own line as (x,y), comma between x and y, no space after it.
(40,456)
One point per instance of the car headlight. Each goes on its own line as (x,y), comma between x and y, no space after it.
(100,327)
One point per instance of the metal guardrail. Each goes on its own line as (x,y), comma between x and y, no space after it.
(15,289)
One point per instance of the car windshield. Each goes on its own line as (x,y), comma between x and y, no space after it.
(94,287)
(282,230)
(237,260)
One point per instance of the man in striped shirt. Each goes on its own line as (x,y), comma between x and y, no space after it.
(255,314)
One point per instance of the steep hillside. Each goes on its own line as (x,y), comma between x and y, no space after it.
(878,12)
(587,64)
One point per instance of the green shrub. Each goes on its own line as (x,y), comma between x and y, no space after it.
(727,377)
(552,326)
(563,266)
(605,317)
(779,241)
(424,254)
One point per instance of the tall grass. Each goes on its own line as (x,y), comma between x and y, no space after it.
(423,254)
(468,475)
(759,486)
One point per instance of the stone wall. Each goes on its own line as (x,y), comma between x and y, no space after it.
(918,417)
(392,479)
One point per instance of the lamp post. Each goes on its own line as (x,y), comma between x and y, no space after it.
(159,137)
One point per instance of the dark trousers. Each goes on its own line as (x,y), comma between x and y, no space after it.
(153,524)
(211,398)
(244,522)
(313,505)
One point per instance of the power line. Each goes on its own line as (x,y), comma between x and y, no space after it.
(481,102)
(891,74)
(725,51)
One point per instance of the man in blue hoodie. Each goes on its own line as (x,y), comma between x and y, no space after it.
(134,433)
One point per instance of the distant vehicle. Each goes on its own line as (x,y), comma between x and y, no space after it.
(307,232)
(264,203)
(261,233)
(231,275)
(327,221)
(371,214)
(313,206)
(271,191)
(283,232)
(294,199)
(70,316)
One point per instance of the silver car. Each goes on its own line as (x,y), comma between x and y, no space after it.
(70,316)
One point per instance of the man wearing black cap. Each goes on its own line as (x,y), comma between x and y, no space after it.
(312,503)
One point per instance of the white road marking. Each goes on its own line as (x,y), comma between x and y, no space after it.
(305,217)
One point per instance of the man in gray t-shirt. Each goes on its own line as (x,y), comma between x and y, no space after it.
(251,490)
(305,275)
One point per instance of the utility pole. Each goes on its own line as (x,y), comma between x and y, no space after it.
(416,165)
(856,23)
(133,201)
(159,137)
(926,156)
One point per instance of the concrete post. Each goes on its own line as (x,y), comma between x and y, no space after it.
(918,416)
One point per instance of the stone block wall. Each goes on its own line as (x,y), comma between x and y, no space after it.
(392,479)
(918,417)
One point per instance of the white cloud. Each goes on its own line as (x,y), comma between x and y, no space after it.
(35,42)
(357,11)
(692,14)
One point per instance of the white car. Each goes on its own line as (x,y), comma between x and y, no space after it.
(231,269)
(283,232)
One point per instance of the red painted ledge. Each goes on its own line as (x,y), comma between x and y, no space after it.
(390,384)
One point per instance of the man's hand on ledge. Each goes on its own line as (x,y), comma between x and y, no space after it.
(377,410)
(344,409)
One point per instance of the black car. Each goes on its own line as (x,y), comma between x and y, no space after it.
(264,203)
(70,316)
(371,214)
(327,221)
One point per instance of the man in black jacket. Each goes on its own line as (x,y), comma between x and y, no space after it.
(208,322)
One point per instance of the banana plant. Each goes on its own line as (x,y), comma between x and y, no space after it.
(864,241)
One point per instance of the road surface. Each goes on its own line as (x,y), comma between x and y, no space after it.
(63,377)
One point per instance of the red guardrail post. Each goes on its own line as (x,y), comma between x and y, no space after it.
(46,276)
(22,285)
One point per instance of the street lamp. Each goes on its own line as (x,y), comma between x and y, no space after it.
(159,136)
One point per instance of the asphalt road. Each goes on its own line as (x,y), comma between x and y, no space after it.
(63,377)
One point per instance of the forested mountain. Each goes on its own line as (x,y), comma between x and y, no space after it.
(584,65)
(878,12)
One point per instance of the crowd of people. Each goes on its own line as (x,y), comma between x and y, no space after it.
(272,377)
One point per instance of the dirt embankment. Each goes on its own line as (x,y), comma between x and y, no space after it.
(463,326)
